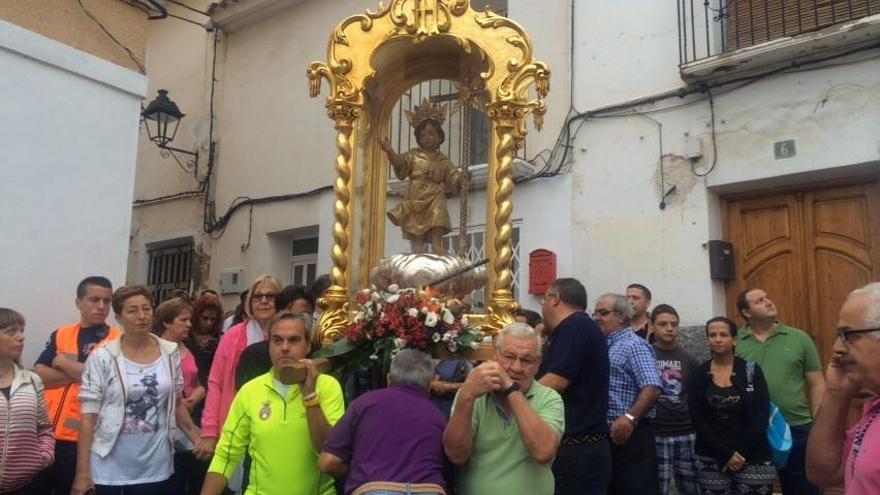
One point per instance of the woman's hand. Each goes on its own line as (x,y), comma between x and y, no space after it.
(205,448)
(735,463)
(82,484)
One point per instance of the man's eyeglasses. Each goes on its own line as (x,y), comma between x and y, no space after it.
(847,335)
(264,297)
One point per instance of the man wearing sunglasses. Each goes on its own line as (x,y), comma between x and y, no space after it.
(854,366)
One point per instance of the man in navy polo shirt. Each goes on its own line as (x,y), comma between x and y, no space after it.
(391,440)
(575,364)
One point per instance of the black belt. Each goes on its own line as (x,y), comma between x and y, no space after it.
(584,439)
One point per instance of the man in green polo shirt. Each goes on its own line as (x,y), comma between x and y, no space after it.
(793,372)
(505,426)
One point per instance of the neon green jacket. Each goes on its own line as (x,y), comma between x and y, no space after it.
(274,432)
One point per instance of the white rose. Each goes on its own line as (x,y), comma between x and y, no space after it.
(431,319)
(436,337)
(375,296)
(393,288)
(393,298)
(448,317)
(413,312)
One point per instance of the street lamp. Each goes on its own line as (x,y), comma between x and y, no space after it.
(161,118)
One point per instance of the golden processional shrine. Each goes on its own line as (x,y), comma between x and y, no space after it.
(372,60)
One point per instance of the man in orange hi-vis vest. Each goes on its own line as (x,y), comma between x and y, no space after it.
(60,366)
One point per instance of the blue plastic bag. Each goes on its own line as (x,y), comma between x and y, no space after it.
(779,437)
(778,431)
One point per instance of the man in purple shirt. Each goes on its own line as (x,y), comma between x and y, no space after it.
(391,440)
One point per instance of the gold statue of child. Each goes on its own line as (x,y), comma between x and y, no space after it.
(422,215)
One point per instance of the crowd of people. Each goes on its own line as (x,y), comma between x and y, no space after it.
(185,399)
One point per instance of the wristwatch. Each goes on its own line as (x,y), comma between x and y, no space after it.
(632,419)
(511,389)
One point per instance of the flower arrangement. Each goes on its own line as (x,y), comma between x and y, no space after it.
(388,321)
(411,318)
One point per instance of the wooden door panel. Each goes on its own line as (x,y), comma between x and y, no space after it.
(765,226)
(844,217)
(836,276)
(841,253)
(768,247)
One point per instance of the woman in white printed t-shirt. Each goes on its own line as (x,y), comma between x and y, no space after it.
(131,404)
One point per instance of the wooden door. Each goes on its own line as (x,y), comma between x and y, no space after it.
(807,249)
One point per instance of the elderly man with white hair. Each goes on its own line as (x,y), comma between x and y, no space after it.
(505,425)
(854,366)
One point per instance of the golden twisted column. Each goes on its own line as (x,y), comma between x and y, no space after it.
(508,121)
(334,303)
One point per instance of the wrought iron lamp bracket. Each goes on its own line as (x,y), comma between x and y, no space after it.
(189,165)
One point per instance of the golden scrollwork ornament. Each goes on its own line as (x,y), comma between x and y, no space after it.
(372,58)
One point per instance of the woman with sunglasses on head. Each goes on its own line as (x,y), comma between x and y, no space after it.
(27,444)
(260,308)
(730,409)
(132,406)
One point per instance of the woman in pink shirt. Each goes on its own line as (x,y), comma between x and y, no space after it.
(260,308)
(172,321)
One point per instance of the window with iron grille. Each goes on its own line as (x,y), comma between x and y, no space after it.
(710,27)
(466,128)
(477,252)
(170,269)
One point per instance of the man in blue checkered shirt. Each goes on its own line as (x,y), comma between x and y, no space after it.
(633,389)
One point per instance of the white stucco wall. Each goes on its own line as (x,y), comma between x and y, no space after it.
(69,138)
(621,234)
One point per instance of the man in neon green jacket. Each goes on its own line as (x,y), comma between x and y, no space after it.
(282,426)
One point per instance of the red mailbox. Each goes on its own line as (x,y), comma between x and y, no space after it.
(542,270)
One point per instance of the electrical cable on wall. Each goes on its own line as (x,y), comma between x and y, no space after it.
(94,19)
(714,139)
(551,167)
